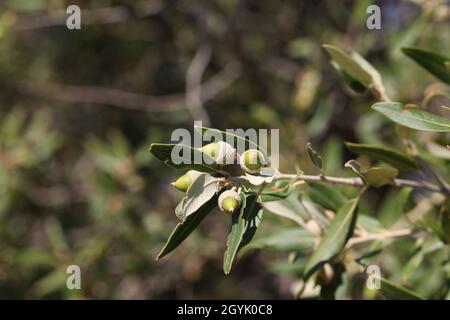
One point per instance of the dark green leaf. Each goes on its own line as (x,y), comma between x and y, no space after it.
(383,154)
(335,237)
(163,152)
(353,83)
(328,290)
(183,230)
(431,61)
(314,156)
(392,291)
(326,195)
(356,168)
(241,221)
(412,117)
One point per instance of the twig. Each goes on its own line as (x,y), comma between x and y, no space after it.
(129,100)
(355,182)
(193,85)
(379,236)
(90,16)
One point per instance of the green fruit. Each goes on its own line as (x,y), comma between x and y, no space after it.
(229,205)
(229,201)
(211,149)
(186,180)
(183,183)
(252,161)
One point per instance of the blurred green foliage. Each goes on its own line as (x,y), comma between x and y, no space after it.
(77,185)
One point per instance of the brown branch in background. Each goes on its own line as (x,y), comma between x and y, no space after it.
(128,100)
(194,75)
(90,16)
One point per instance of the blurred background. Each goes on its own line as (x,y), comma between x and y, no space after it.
(79,109)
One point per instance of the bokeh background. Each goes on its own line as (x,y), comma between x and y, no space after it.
(79,109)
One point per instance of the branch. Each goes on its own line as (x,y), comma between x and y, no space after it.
(129,100)
(90,16)
(194,75)
(357,181)
(379,236)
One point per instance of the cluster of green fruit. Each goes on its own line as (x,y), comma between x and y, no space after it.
(251,161)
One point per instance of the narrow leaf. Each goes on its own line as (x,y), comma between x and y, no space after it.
(349,65)
(183,230)
(335,237)
(356,168)
(392,291)
(326,195)
(431,61)
(241,221)
(289,208)
(203,189)
(383,154)
(412,117)
(184,159)
(314,156)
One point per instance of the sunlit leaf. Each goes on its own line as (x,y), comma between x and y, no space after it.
(201,190)
(412,117)
(183,230)
(241,221)
(184,159)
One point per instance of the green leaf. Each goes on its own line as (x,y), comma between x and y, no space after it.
(392,208)
(184,229)
(314,156)
(326,195)
(233,139)
(378,177)
(431,61)
(294,239)
(275,195)
(375,249)
(392,291)
(353,83)
(241,221)
(290,208)
(163,152)
(348,64)
(412,117)
(369,223)
(383,154)
(356,168)
(335,237)
(203,189)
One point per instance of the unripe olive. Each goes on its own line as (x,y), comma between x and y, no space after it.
(186,180)
(211,149)
(252,161)
(229,205)
(229,201)
(221,152)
